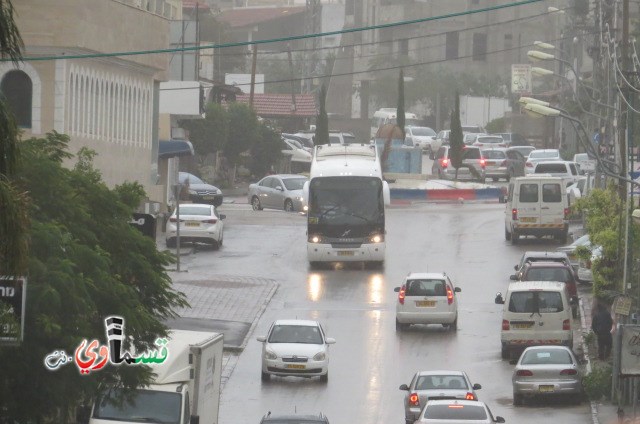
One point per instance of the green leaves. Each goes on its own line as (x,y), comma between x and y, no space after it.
(456,143)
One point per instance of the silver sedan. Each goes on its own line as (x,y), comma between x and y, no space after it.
(547,371)
(278,192)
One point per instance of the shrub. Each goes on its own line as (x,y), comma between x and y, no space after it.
(597,384)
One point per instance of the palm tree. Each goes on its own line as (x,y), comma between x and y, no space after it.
(14,221)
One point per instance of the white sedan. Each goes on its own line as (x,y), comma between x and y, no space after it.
(198,223)
(295,348)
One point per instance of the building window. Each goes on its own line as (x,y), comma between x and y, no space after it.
(17,89)
(508,41)
(451,45)
(480,47)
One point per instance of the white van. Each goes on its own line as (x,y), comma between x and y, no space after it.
(387,115)
(537,205)
(534,313)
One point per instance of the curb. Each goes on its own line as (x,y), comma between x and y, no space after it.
(585,351)
(254,323)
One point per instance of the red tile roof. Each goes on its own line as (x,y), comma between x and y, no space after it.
(247,16)
(279,105)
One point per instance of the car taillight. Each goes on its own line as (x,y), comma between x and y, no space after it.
(482,163)
(524,373)
(529,165)
(505,325)
(568,372)
(470,396)
(172,219)
(414,399)
(444,163)
(210,221)
(566,324)
(449,295)
(401,295)
(514,214)
(566,213)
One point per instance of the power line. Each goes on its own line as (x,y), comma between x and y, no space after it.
(281,39)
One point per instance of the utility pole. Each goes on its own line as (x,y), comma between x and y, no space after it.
(293,91)
(254,59)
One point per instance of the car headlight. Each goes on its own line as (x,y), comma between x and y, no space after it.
(315,239)
(270,355)
(305,208)
(300,198)
(320,356)
(377,238)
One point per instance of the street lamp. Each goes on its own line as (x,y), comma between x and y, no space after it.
(530,100)
(543,45)
(552,9)
(542,71)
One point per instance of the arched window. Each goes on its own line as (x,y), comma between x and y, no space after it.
(17,88)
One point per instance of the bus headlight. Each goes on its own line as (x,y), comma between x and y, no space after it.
(377,238)
(315,239)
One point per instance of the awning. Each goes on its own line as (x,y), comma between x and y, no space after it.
(173,148)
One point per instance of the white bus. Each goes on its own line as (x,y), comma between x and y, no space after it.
(387,115)
(346,196)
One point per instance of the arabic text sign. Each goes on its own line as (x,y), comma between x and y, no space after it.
(13,293)
(630,350)
(622,305)
(520,79)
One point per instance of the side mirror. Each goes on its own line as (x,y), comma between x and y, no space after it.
(477,386)
(329,340)
(194,419)
(457,289)
(499,300)
(223,216)
(404,387)
(261,339)
(397,289)
(513,277)
(279,188)
(499,419)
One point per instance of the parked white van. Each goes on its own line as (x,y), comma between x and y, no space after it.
(537,205)
(534,313)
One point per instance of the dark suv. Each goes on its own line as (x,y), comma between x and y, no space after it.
(199,191)
(471,157)
(294,419)
(539,256)
(552,271)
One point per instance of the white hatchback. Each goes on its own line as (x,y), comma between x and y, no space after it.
(427,298)
(295,348)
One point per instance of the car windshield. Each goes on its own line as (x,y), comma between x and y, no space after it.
(490,140)
(438,382)
(294,183)
(195,210)
(346,200)
(455,412)
(548,274)
(523,150)
(581,157)
(295,334)
(191,179)
(422,131)
(493,154)
(426,288)
(539,154)
(548,168)
(145,406)
(471,154)
(334,139)
(546,356)
(531,302)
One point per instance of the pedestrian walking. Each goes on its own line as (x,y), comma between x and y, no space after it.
(601,324)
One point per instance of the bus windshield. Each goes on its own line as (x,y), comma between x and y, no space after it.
(346,201)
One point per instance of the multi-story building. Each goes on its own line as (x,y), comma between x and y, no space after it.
(105,103)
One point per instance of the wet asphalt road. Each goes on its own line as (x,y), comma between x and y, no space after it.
(357,307)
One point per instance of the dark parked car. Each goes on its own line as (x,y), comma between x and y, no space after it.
(552,271)
(199,191)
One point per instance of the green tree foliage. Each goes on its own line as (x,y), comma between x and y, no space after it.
(496,126)
(209,135)
(456,143)
(243,131)
(603,208)
(14,201)
(322,120)
(85,263)
(400,117)
(266,152)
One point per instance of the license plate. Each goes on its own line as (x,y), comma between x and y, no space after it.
(523,326)
(193,224)
(528,219)
(346,252)
(207,197)
(546,389)
(425,303)
(295,366)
